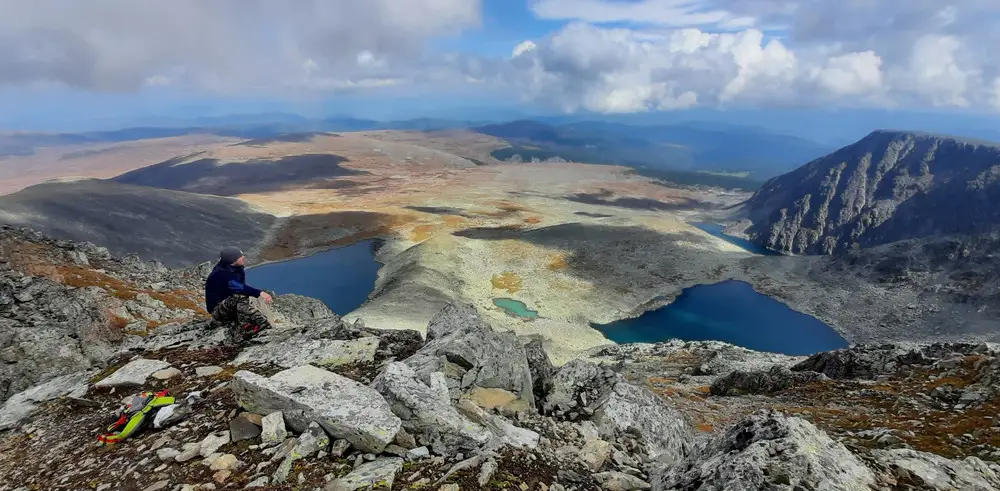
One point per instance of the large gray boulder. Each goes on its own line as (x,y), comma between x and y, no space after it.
(768,450)
(300,351)
(24,404)
(631,410)
(135,372)
(428,414)
(378,474)
(541,368)
(933,472)
(776,379)
(577,384)
(619,409)
(870,361)
(471,354)
(343,407)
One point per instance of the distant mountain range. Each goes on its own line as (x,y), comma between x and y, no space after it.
(738,151)
(890,186)
(692,153)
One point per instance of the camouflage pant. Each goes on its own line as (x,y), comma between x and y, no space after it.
(243,316)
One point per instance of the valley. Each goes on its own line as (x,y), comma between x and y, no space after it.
(568,245)
(652,308)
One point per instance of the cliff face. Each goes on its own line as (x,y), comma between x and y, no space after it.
(889,186)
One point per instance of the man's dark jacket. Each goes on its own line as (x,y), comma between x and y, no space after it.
(225,281)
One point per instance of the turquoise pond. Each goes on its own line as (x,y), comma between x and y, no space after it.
(342,278)
(733,312)
(515,307)
(718,231)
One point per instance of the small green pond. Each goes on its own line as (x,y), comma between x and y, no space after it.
(514,307)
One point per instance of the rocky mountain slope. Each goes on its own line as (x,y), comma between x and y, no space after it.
(67,306)
(174,227)
(890,186)
(320,404)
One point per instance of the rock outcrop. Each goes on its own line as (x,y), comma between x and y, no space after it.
(343,407)
(68,306)
(890,186)
(769,451)
(428,414)
(471,354)
(776,379)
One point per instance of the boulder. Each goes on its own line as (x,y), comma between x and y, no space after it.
(166,373)
(768,450)
(868,362)
(776,379)
(541,368)
(311,442)
(575,379)
(426,413)
(503,430)
(134,372)
(23,405)
(595,453)
(343,407)
(273,429)
(631,410)
(471,354)
(933,472)
(242,427)
(378,474)
(619,409)
(619,481)
(301,311)
(304,351)
(213,442)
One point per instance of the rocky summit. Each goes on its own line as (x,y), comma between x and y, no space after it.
(320,404)
(890,186)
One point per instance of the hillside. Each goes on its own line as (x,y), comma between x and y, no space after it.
(174,227)
(317,403)
(889,186)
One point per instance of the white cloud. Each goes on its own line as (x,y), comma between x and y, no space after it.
(523,47)
(995,97)
(221,45)
(934,72)
(815,52)
(852,74)
(612,56)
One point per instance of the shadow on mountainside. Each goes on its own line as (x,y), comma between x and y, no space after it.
(603,198)
(617,258)
(174,227)
(211,176)
(303,233)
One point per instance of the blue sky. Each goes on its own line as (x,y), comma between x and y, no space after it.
(791,65)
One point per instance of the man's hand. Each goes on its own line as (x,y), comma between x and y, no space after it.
(267,297)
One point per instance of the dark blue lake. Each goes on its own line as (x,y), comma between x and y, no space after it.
(733,312)
(342,278)
(718,231)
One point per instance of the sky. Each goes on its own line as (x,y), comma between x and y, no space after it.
(76,64)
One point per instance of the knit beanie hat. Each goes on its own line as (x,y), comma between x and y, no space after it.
(230,254)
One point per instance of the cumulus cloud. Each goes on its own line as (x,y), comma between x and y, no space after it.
(225,45)
(785,52)
(610,56)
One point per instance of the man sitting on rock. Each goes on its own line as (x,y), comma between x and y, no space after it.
(233,303)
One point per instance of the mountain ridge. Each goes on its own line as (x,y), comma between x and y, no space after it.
(889,186)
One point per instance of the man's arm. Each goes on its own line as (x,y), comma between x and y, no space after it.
(236,287)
